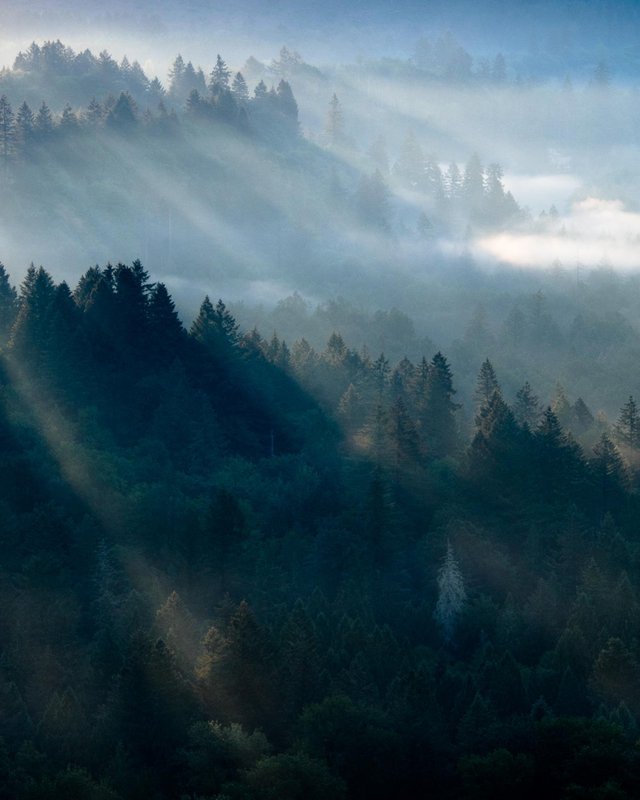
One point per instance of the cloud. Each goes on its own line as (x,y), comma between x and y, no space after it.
(594,232)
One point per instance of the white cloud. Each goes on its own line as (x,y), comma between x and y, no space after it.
(592,233)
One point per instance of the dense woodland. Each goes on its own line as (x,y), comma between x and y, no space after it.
(234,567)
(367,527)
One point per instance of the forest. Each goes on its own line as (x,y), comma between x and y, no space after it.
(238,568)
(319,401)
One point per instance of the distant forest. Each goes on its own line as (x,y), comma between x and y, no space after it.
(236,567)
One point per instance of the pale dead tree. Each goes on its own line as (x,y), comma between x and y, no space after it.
(452,595)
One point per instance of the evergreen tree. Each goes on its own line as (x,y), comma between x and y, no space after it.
(453,183)
(30,332)
(558,465)
(527,407)
(215,328)
(287,104)
(495,449)
(487,384)
(219,78)
(165,329)
(609,472)
(240,90)
(403,437)
(122,117)
(627,428)
(94,113)
(581,417)
(452,595)
(44,123)
(438,409)
(8,306)
(68,121)
(473,185)
(7,131)
(25,127)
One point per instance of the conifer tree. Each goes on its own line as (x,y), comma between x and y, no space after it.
(438,409)
(94,114)
(609,471)
(219,78)
(627,428)
(7,131)
(165,329)
(31,329)
(287,104)
(8,305)
(473,185)
(25,127)
(44,123)
(403,437)
(239,88)
(486,385)
(527,407)
(452,595)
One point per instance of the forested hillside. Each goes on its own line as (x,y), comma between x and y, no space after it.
(238,567)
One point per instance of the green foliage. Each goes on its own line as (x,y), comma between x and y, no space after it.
(208,590)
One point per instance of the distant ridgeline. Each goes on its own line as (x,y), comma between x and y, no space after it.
(98,99)
(124,89)
(234,568)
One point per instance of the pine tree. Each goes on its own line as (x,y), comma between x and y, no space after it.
(473,185)
(287,104)
(453,183)
(8,306)
(403,437)
(627,428)
(165,329)
(527,407)
(68,121)
(438,410)
(558,464)
(176,73)
(30,332)
(351,407)
(609,472)
(487,384)
(219,78)
(495,450)
(239,89)
(452,595)
(561,406)
(260,92)
(44,123)
(7,131)
(25,127)
(94,113)
(122,117)
(581,417)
